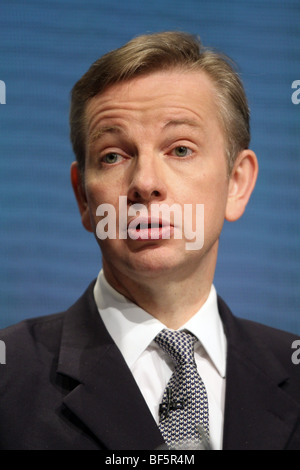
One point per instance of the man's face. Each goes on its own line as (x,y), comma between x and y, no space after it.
(156,139)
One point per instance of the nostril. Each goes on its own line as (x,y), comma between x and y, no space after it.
(138,196)
(144,194)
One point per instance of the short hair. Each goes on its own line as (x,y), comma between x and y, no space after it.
(150,53)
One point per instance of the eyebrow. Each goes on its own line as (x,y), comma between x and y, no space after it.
(182,122)
(119,130)
(105,130)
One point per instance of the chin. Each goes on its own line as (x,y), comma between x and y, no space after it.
(149,261)
(155,263)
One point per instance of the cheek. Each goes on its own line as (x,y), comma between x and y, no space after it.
(215,206)
(99,192)
(212,194)
(104,207)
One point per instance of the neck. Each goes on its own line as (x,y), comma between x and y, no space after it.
(173,300)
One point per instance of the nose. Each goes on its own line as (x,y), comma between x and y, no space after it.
(147,182)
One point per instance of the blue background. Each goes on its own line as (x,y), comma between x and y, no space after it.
(47,258)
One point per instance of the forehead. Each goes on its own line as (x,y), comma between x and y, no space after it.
(155,97)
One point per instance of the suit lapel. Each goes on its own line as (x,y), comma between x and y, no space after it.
(107,399)
(259,414)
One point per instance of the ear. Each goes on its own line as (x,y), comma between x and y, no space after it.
(241,184)
(79,191)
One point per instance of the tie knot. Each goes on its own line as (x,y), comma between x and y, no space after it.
(178,344)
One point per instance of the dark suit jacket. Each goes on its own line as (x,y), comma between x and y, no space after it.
(65,385)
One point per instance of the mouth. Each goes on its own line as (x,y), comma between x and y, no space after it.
(145,226)
(140,228)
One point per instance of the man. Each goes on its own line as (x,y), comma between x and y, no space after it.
(159,123)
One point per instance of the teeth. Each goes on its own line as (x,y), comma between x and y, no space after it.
(148,226)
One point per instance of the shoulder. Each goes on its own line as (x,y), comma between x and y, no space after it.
(36,342)
(44,331)
(279,342)
(27,343)
(261,343)
(235,325)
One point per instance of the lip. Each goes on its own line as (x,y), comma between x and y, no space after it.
(149,228)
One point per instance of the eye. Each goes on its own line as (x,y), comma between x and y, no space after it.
(111,158)
(182,151)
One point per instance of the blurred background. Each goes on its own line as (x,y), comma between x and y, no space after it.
(47,258)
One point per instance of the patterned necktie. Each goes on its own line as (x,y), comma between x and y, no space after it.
(184,407)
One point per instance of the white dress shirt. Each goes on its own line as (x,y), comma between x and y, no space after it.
(133,330)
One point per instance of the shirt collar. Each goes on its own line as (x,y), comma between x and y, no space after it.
(133,329)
